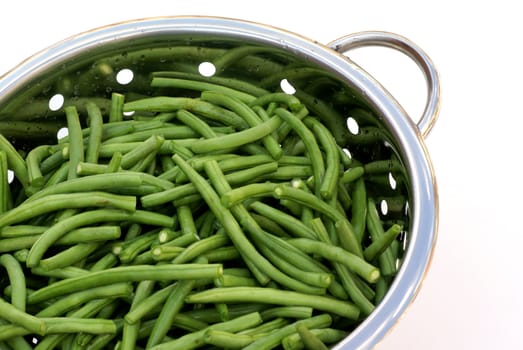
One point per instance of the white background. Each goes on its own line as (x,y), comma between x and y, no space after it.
(472,295)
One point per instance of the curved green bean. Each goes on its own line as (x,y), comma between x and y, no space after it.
(16,280)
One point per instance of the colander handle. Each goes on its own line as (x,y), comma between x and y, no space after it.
(404,45)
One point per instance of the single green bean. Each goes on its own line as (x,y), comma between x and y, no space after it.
(352,174)
(56,202)
(168,104)
(17,282)
(309,140)
(196,123)
(76,143)
(18,317)
(274,296)
(173,305)
(126,274)
(201,247)
(234,140)
(73,300)
(33,160)
(227,340)
(95,133)
(117,103)
(69,256)
(200,86)
(99,182)
(152,144)
(332,159)
(310,340)
(239,194)
(380,244)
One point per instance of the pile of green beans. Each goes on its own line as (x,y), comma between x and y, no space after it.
(212,214)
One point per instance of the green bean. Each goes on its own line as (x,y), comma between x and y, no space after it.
(196,339)
(310,340)
(81,235)
(76,299)
(226,339)
(269,225)
(310,143)
(132,248)
(352,174)
(200,247)
(172,306)
(168,104)
(243,110)
(70,256)
(117,103)
(181,191)
(318,279)
(238,195)
(15,161)
(66,272)
(33,160)
(287,312)
(186,219)
(344,198)
(16,231)
(76,146)
(326,335)
(59,175)
(56,202)
(163,253)
(345,231)
(17,343)
(224,81)
(378,246)
(195,123)
(287,221)
(222,254)
(239,212)
(275,338)
(200,86)
(294,104)
(274,296)
(332,159)
(182,241)
(99,182)
(375,229)
(126,274)
(234,140)
(369,272)
(5,199)
(21,318)
(359,209)
(16,277)
(87,218)
(152,144)
(130,331)
(95,132)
